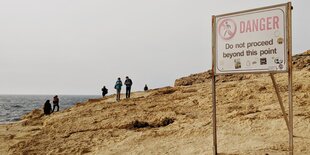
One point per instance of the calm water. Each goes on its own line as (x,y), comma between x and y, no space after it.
(12,107)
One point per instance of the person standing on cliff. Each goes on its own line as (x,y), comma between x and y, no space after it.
(55,103)
(146,88)
(118,87)
(128,84)
(47,108)
(104,91)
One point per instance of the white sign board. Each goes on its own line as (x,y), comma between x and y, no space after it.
(251,41)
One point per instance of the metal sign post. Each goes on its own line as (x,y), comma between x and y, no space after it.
(290,77)
(254,41)
(213,91)
(280,100)
(214,115)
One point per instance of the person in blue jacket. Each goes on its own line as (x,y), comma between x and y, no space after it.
(118,87)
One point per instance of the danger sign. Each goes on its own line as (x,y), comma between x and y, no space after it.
(251,41)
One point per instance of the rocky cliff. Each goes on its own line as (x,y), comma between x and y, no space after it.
(174,120)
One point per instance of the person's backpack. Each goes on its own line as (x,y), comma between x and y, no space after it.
(118,85)
(128,82)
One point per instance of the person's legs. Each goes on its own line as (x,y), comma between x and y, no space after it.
(57,107)
(126,92)
(129,89)
(53,107)
(118,95)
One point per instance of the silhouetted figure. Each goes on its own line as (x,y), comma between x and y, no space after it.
(47,108)
(104,91)
(55,103)
(128,84)
(146,88)
(118,87)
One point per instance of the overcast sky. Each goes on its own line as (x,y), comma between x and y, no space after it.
(77,46)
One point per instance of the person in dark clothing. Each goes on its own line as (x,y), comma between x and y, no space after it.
(104,91)
(118,87)
(128,84)
(47,108)
(55,103)
(146,88)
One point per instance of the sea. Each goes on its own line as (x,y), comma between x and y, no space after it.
(12,107)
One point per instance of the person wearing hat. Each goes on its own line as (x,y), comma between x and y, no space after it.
(128,84)
(55,103)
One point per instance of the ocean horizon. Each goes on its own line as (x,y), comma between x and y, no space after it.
(14,106)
